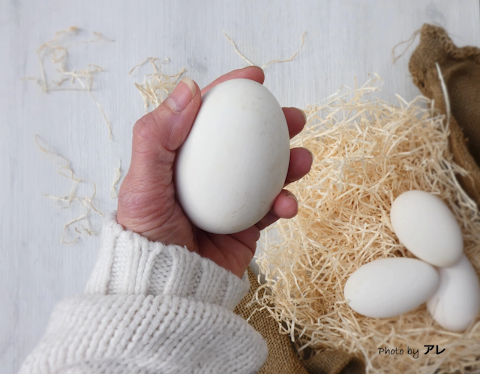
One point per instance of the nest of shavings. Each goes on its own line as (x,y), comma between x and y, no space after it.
(366,153)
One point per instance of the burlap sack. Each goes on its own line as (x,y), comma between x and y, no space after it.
(460,69)
(282,357)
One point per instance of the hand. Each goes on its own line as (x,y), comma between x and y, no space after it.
(147,204)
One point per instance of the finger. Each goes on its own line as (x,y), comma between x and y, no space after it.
(158,134)
(251,72)
(301,160)
(248,237)
(296,120)
(285,206)
(233,256)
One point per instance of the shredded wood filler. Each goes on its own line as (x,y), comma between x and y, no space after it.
(366,153)
(85,202)
(117,173)
(156,86)
(57,50)
(270,62)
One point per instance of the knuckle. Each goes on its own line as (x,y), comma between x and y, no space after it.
(131,201)
(149,138)
(144,128)
(141,193)
(134,193)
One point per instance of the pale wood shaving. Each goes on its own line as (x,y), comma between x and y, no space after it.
(270,62)
(58,52)
(410,41)
(156,86)
(86,202)
(238,52)
(117,173)
(59,160)
(445,92)
(86,83)
(288,59)
(152,60)
(89,200)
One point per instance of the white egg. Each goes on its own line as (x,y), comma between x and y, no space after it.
(389,287)
(427,228)
(457,301)
(234,162)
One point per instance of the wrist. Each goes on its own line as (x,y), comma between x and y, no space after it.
(129,263)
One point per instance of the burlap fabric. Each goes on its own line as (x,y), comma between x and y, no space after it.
(282,357)
(460,69)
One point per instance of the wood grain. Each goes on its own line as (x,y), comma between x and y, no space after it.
(344,39)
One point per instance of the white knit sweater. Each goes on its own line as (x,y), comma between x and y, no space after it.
(150,308)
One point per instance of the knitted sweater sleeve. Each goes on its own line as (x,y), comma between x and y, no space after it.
(150,308)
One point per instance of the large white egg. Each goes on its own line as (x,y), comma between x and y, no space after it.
(389,287)
(457,301)
(427,228)
(234,162)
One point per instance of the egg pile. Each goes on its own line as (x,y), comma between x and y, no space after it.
(442,276)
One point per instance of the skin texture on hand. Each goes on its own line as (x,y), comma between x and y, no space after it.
(147,203)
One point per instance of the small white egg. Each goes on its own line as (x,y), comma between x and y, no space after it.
(234,162)
(427,228)
(389,287)
(457,301)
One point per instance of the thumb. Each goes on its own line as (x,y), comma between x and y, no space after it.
(158,134)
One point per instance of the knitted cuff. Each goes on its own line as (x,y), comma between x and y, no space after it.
(130,264)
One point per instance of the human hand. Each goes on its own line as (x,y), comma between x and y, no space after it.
(147,203)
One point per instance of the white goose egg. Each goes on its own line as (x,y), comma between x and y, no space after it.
(234,162)
(457,300)
(389,287)
(427,228)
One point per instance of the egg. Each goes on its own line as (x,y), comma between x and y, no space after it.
(389,287)
(235,159)
(457,301)
(427,228)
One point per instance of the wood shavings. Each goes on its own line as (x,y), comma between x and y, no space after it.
(59,57)
(89,200)
(366,153)
(156,86)
(238,52)
(58,52)
(87,205)
(410,41)
(288,59)
(66,201)
(59,160)
(445,92)
(79,218)
(148,59)
(86,83)
(98,36)
(117,173)
(89,232)
(270,62)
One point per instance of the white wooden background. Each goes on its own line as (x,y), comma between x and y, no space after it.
(344,39)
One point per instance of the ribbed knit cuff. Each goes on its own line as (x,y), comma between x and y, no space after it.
(130,264)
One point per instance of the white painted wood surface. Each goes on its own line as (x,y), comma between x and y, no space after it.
(344,39)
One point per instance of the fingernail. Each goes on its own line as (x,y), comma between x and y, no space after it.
(182,95)
(291,195)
